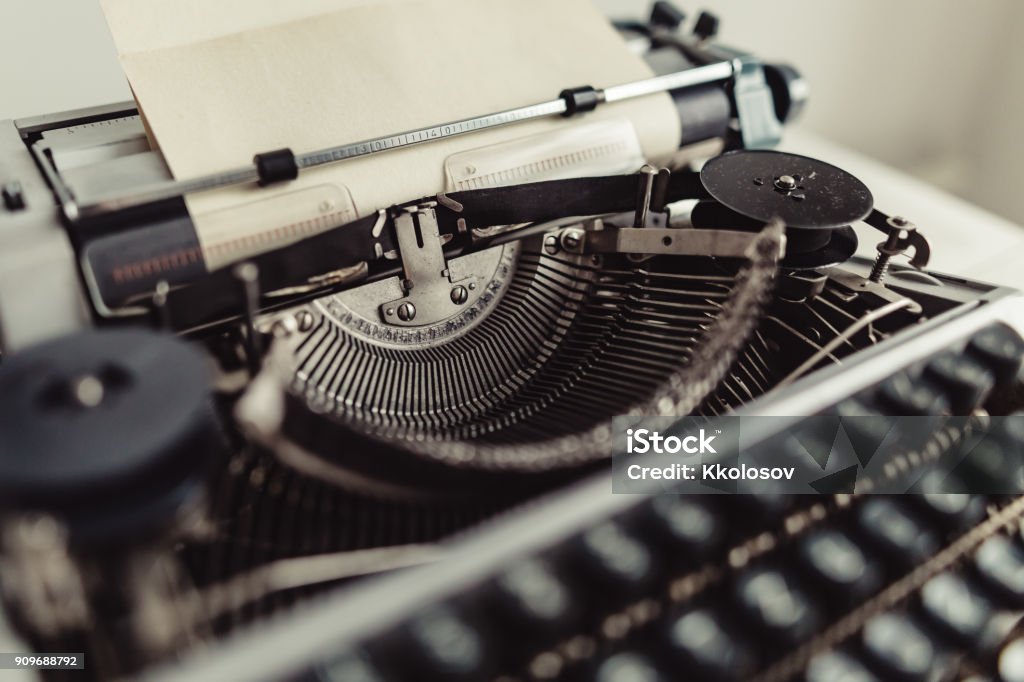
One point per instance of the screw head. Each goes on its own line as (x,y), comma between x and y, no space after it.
(459,295)
(406,312)
(305,320)
(899,221)
(786,182)
(551,245)
(284,327)
(571,239)
(88,391)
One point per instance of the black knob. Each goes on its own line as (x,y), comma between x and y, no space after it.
(789,91)
(13,196)
(1001,349)
(111,431)
(706,26)
(967,381)
(911,396)
(667,15)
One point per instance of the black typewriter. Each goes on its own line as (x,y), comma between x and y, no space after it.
(388,451)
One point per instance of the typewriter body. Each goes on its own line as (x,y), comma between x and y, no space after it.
(383,452)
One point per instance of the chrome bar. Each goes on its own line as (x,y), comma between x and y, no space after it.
(697,76)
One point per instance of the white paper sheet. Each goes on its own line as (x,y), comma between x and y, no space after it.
(221,80)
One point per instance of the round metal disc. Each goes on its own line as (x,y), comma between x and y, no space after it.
(804,192)
(840,248)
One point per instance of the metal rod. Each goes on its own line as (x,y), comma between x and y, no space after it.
(847,334)
(696,76)
(248,276)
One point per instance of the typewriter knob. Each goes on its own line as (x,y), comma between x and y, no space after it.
(789,90)
(110,431)
(706,26)
(667,15)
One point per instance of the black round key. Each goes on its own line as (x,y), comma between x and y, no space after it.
(349,667)
(773,601)
(912,396)
(899,648)
(1001,349)
(839,566)
(1010,430)
(765,505)
(618,564)
(942,498)
(803,192)
(702,645)
(1011,661)
(689,530)
(836,666)
(628,667)
(957,608)
(992,467)
(437,644)
(896,531)
(967,382)
(531,600)
(1000,564)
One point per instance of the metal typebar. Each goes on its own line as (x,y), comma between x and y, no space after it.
(701,75)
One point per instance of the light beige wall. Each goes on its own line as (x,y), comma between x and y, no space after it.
(935,87)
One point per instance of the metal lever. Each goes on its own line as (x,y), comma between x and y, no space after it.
(672,242)
(432,293)
(650,195)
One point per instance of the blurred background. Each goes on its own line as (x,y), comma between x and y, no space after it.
(934,88)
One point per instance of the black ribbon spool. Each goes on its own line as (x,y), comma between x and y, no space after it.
(804,193)
(806,249)
(110,431)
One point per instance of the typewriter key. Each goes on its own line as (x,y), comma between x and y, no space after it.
(701,644)
(834,665)
(628,667)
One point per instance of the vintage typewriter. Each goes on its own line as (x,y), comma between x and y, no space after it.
(383,452)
